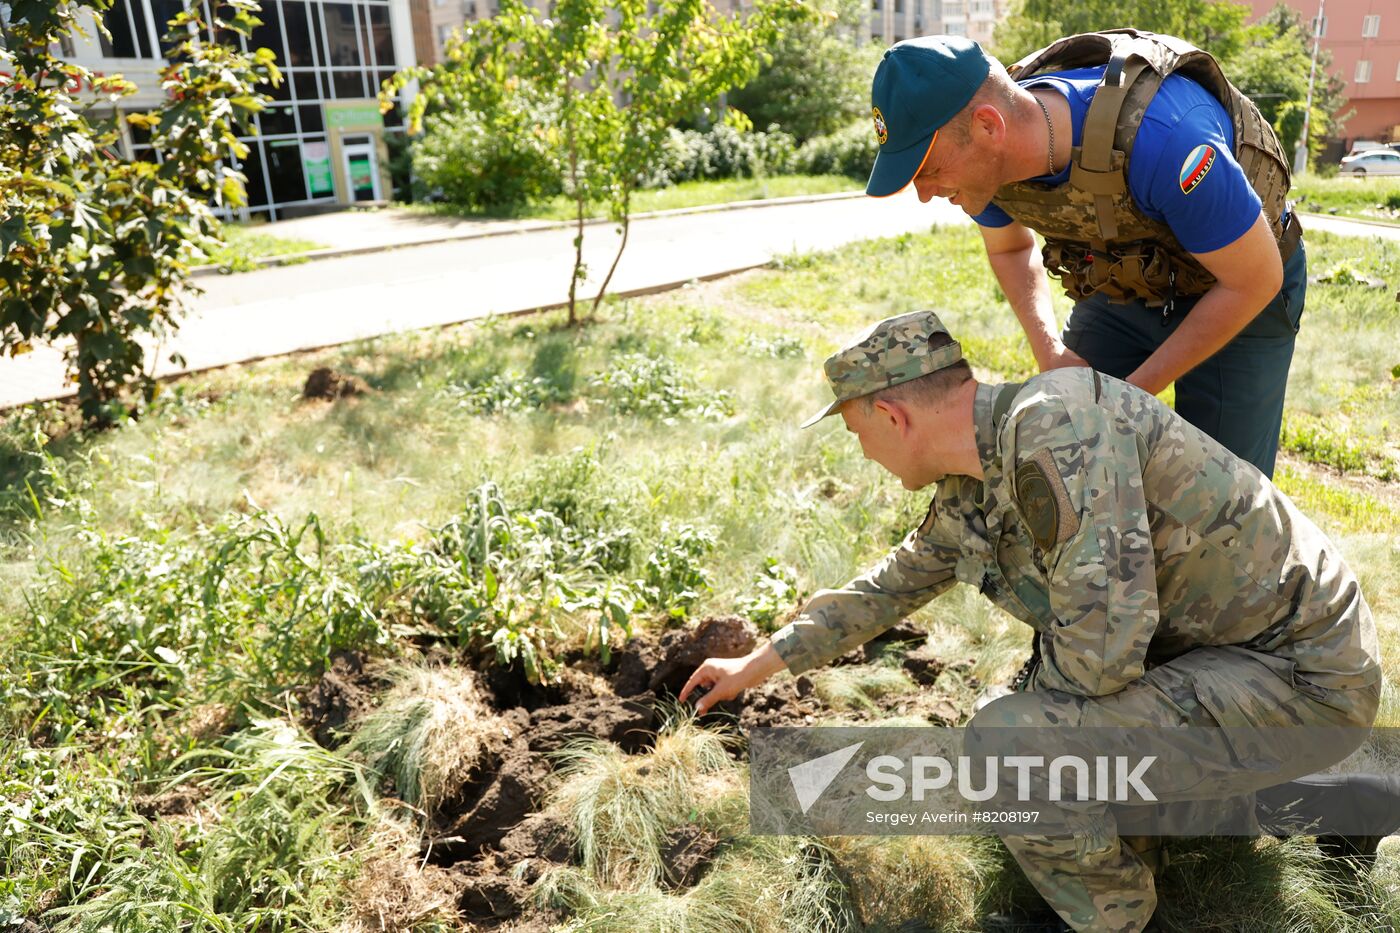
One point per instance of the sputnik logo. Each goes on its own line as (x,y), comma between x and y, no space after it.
(811,778)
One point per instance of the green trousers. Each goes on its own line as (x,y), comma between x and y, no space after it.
(1236,396)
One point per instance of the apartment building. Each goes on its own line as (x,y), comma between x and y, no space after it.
(1364,39)
(321,142)
(894,20)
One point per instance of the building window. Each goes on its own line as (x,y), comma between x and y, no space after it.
(899,6)
(875,5)
(469,9)
(1363,72)
(444,33)
(129,23)
(1370,26)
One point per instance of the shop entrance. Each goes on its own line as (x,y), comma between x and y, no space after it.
(361,168)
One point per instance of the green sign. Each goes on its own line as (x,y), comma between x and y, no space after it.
(361,172)
(353,115)
(316,163)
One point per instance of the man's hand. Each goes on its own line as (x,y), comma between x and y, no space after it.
(1248,273)
(1061,356)
(726,678)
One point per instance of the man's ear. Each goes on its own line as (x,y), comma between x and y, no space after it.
(893,413)
(988,124)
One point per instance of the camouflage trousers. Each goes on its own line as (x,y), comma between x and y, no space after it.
(1087,875)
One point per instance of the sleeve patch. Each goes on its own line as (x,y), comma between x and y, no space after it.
(1044,501)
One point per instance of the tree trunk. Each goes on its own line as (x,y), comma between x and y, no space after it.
(579,200)
(626,227)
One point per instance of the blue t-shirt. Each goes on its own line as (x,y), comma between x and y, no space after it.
(1182,171)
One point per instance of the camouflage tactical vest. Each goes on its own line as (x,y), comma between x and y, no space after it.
(1096,238)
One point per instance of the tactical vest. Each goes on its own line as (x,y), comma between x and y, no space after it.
(1096,238)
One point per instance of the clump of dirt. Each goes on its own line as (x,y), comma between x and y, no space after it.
(663,666)
(905,635)
(923,665)
(326,383)
(687,855)
(781,701)
(177,801)
(345,691)
(394,893)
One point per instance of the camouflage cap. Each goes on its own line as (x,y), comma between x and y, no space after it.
(893,351)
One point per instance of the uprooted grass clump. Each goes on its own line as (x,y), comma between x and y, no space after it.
(622,811)
(620,807)
(428,735)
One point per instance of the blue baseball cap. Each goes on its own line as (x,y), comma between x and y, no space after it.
(920,85)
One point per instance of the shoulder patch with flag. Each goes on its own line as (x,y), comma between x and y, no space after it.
(1194,169)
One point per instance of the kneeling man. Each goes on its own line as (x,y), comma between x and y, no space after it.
(1168,581)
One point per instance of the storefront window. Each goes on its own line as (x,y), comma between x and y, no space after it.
(269,34)
(299,34)
(342,36)
(381,37)
(284,174)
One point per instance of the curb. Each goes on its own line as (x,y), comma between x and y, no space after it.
(518,312)
(1351,220)
(524,227)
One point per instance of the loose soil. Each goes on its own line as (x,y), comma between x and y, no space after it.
(492,839)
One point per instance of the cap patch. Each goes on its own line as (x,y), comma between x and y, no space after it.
(882,132)
(1044,501)
(1194,169)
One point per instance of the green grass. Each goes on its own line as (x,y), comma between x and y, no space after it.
(244,244)
(1372,198)
(685,194)
(213,555)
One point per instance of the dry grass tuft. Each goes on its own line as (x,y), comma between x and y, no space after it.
(619,807)
(431,731)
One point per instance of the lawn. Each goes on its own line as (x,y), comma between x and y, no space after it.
(685,194)
(256,636)
(1365,198)
(244,243)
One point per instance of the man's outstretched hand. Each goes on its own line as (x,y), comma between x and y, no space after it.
(722,679)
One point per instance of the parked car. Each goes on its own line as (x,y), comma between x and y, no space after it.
(1372,162)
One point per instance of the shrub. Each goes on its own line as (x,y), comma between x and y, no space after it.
(639,384)
(722,152)
(773,592)
(673,578)
(472,163)
(849,152)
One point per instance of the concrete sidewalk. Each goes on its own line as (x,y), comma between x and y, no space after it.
(458,273)
(366,230)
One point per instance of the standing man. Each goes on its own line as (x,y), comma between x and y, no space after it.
(1168,586)
(1160,193)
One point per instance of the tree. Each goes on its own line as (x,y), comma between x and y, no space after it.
(1272,69)
(1218,26)
(818,80)
(95,251)
(1268,61)
(600,83)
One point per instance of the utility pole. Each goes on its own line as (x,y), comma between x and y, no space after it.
(1300,157)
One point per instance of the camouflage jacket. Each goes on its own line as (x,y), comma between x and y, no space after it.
(1123,535)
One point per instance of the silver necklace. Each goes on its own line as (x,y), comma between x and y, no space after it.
(1049,126)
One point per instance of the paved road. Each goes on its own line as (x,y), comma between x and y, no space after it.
(281,310)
